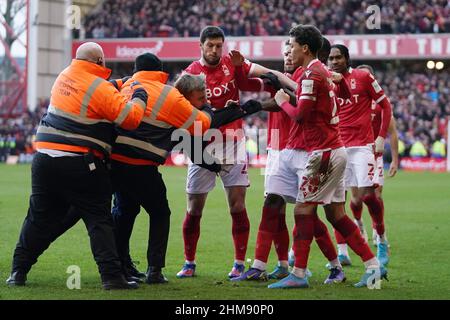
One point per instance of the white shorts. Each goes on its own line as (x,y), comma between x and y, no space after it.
(232,155)
(378,178)
(283,173)
(201,180)
(323,180)
(360,168)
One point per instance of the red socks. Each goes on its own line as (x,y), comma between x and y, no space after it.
(376,210)
(303,236)
(281,238)
(191,233)
(357,210)
(353,237)
(339,238)
(241,232)
(323,239)
(266,232)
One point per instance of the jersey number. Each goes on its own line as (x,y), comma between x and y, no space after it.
(334,117)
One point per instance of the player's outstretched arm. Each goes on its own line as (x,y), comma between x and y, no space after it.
(258,70)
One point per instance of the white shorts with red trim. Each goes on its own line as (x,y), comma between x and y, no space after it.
(323,179)
(284,170)
(378,178)
(360,170)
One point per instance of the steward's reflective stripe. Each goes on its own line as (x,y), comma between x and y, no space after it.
(72,116)
(50,130)
(190,120)
(142,145)
(160,102)
(156,123)
(140,103)
(88,95)
(124,113)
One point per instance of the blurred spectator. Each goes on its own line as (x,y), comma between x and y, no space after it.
(16,135)
(185,18)
(438,149)
(418,150)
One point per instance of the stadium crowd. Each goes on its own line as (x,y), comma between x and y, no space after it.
(421,103)
(17,134)
(185,18)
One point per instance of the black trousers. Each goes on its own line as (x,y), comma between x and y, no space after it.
(64,190)
(137,186)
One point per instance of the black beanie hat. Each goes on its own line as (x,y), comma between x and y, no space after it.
(147,62)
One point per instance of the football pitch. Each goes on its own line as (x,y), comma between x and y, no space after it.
(418,227)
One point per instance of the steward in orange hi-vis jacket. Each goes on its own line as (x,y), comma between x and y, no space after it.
(137,154)
(68,171)
(167,110)
(84,108)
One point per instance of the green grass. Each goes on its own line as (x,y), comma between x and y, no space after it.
(417,219)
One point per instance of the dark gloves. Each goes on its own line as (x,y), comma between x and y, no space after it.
(139,92)
(207,108)
(119,82)
(251,106)
(272,79)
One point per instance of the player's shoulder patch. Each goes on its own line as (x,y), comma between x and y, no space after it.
(307,86)
(376,86)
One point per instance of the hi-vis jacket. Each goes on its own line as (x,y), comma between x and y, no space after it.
(84,109)
(167,109)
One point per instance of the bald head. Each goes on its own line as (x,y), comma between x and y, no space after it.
(92,52)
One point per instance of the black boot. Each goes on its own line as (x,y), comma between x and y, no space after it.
(154,275)
(118,283)
(17,279)
(131,270)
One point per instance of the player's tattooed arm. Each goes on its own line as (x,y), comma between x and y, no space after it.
(258,70)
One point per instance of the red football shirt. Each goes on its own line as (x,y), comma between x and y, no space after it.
(320,127)
(296,139)
(355,113)
(220,84)
(376,118)
(281,122)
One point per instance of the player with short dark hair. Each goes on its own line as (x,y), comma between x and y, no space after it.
(361,145)
(221,86)
(379,173)
(286,163)
(323,179)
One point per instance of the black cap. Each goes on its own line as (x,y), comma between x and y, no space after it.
(147,62)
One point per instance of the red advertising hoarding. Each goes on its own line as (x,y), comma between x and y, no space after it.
(424,164)
(362,47)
